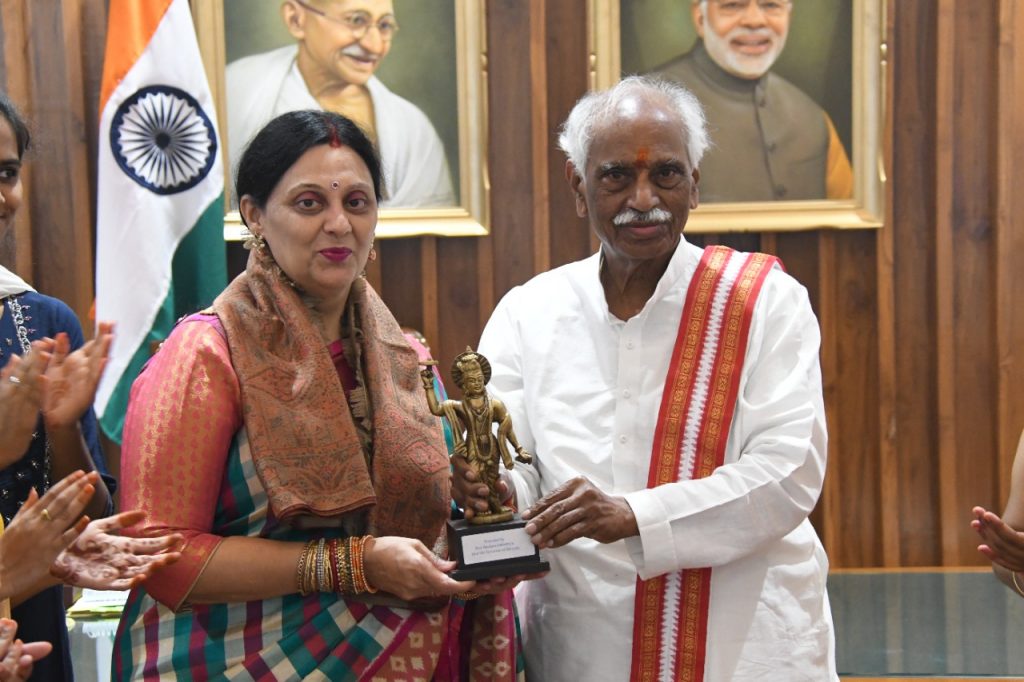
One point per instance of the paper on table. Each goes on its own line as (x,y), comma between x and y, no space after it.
(99,603)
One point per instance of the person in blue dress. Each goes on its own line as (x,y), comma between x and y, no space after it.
(59,445)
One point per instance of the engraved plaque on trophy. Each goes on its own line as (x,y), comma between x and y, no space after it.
(493,543)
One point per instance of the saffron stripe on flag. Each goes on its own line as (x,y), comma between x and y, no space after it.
(159,249)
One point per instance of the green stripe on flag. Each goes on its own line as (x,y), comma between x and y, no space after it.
(198,274)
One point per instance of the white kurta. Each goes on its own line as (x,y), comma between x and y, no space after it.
(263,86)
(583,389)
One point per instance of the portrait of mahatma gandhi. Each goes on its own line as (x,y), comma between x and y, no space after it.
(329,54)
(771,139)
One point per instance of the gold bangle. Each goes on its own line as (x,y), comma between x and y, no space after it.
(1016,585)
(299,573)
(467,596)
(359,583)
(302,569)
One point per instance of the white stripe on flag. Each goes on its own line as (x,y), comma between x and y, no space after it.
(139,230)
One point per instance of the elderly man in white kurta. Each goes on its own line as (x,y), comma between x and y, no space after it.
(672,396)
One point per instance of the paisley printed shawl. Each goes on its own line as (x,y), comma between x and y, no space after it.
(304,444)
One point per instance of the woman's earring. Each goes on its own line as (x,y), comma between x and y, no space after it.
(255,241)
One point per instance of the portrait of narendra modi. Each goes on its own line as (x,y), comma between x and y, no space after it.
(775,78)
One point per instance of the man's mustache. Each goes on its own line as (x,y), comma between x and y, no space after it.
(631,215)
(763,33)
(359,52)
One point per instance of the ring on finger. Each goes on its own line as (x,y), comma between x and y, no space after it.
(14,380)
(45,514)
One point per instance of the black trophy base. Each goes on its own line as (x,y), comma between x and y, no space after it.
(492,550)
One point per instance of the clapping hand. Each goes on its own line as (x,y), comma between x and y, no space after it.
(100,560)
(41,530)
(49,535)
(21,399)
(17,657)
(71,378)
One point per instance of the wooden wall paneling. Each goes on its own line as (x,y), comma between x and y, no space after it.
(458,316)
(485,284)
(428,286)
(855,428)
(486,298)
(799,254)
(61,207)
(570,237)
(1009,243)
(914,102)
(539,132)
(974,296)
(92,31)
(745,241)
(16,246)
(888,453)
(399,279)
(945,76)
(511,99)
(828,319)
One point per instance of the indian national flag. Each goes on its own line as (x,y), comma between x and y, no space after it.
(160,206)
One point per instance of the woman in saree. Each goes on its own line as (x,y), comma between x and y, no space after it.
(284,433)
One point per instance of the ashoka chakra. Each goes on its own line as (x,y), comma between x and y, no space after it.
(163,140)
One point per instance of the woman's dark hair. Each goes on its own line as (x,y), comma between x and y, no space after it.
(282,141)
(10,113)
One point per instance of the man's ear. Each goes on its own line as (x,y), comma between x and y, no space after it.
(294,18)
(575,181)
(698,18)
(694,189)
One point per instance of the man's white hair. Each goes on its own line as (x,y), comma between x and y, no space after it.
(595,108)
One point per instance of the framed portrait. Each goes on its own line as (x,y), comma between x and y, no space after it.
(794,97)
(420,91)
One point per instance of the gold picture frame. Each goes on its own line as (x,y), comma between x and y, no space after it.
(471,215)
(869,41)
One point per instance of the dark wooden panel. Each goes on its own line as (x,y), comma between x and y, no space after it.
(92,36)
(748,241)
(851,389)
(1009,241)
(459,321)
(511,137)
(799,254)
(63,250)
(567,82)
(914,100)
(973,181)
(401,280)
